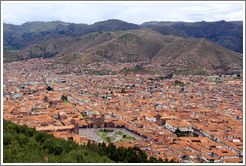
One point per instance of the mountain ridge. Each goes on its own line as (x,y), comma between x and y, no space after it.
(131,44)
(19,36)
(139,46)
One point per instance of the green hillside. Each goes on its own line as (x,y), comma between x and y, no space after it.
(226,34)
(22,36)
(24,145)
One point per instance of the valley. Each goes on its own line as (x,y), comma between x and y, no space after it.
(154,92)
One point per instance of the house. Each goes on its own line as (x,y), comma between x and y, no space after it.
(173,125)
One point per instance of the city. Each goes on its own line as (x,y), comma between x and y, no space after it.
(150,82)
(188,118)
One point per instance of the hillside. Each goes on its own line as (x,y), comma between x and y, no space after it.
(226,34)
(200,55)
(119,46)
(25,145)
(21,36)
(137,46)
(131,46)
(66,45)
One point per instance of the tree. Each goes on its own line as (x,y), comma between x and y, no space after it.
(15,151)
(169,76)
(64,98)
(23,145)
(123,90)
(172,161)
(152,159)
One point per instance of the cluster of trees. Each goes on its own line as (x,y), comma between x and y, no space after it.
(125,155)
(178,83)
(185,133)
(25,145)
(238,75)
(161,77)
(123,90)
(64,98)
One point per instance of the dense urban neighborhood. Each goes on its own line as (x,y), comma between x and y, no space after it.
(187,118)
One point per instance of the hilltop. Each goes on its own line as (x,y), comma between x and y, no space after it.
(21,36)
(223,33)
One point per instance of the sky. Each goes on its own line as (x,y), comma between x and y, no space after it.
(129,11)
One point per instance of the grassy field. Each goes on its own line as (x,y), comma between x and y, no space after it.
(120,133)
(192,72)
(108,139)
(180,84)
(101,133)
(122,140)
(104,135)
(125,136)
(106,130)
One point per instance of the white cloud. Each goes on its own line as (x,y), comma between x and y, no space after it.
(135,12)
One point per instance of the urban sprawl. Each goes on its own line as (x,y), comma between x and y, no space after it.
(188,118)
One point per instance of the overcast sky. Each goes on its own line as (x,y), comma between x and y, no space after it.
(133,12)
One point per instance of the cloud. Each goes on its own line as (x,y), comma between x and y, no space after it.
(134,12)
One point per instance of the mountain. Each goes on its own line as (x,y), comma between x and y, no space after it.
(40,26)
(152,24)
(199,55)
(131,46)
(226,34)
(66,45)
(184,55)
(21,36)
(118,46)
(168,45)
(113,25)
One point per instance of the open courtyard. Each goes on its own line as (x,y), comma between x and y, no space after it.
(109,134)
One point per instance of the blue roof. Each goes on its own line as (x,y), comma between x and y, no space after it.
(30,82)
